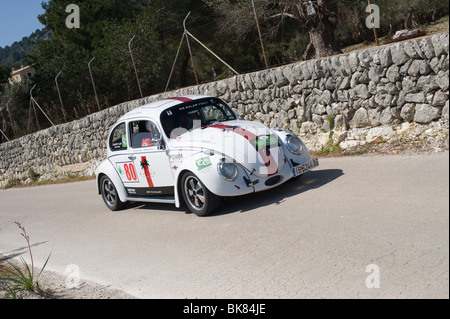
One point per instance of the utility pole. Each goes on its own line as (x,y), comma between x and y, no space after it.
(134,66)
(60,99)
(259,32)
(189,47)
(93,84)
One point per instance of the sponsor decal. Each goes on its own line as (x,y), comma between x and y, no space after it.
(176,157)
(124,140)
(145,165)
(266,141)
(154,191)
(203,162)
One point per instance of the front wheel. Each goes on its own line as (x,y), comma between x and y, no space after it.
(197,197)
(110,195)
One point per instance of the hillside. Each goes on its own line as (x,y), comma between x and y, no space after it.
(14,55)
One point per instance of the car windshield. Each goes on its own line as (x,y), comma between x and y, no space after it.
(195,114)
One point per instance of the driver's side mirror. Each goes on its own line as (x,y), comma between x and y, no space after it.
(160,142)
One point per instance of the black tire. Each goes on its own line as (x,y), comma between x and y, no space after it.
(110,195)
(199,200)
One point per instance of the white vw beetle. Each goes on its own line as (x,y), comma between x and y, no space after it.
(195,149)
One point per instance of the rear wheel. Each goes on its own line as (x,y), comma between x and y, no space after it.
(197,197)
(110,195)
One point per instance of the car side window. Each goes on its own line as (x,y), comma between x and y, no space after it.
(144,134)
(118,139)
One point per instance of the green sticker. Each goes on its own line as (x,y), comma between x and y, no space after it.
(264,141)
(124,140)
(203,162)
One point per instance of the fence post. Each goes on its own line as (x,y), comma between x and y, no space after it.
(373,23)
(93,84)
(34,108)
(10,117)
(60,99)
(259,32)
(189,47)
(134,66)
(35,102)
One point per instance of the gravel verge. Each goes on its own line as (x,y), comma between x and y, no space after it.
(53,286)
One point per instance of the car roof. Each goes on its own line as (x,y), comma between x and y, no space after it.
(154,109)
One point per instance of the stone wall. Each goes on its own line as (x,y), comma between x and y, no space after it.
(405,82)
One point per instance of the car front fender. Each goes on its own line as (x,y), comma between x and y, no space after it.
(108,169)
(210,177)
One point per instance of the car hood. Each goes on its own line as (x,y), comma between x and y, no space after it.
(250,144)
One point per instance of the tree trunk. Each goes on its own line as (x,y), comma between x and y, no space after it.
(321,44)
(322,23)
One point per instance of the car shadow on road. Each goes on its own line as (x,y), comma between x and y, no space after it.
(311,180)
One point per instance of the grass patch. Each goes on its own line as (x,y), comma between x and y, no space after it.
(364,149)
(14,182)
(330,148)
(69,178)
(22,277)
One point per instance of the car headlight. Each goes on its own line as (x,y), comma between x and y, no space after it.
(294,144)
(227,170)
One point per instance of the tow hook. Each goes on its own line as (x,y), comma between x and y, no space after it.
(250,183)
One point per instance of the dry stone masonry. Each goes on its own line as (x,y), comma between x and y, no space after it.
(357,96)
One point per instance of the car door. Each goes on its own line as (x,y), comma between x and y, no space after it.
(149,169)
(120,156)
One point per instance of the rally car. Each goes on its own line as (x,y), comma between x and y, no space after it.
(195,150)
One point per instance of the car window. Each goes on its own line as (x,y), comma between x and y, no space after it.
(195,114)
(144,134)
(213,112)
(118,138)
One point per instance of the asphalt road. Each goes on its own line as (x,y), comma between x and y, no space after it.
(355,227)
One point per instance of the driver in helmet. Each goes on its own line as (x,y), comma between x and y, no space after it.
(153,134)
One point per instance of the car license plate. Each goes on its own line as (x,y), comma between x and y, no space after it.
(301,169)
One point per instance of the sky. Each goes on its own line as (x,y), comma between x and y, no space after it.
(18,19)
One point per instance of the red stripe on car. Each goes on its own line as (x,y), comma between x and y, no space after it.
(181,99)
(144,165)
(267,157)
